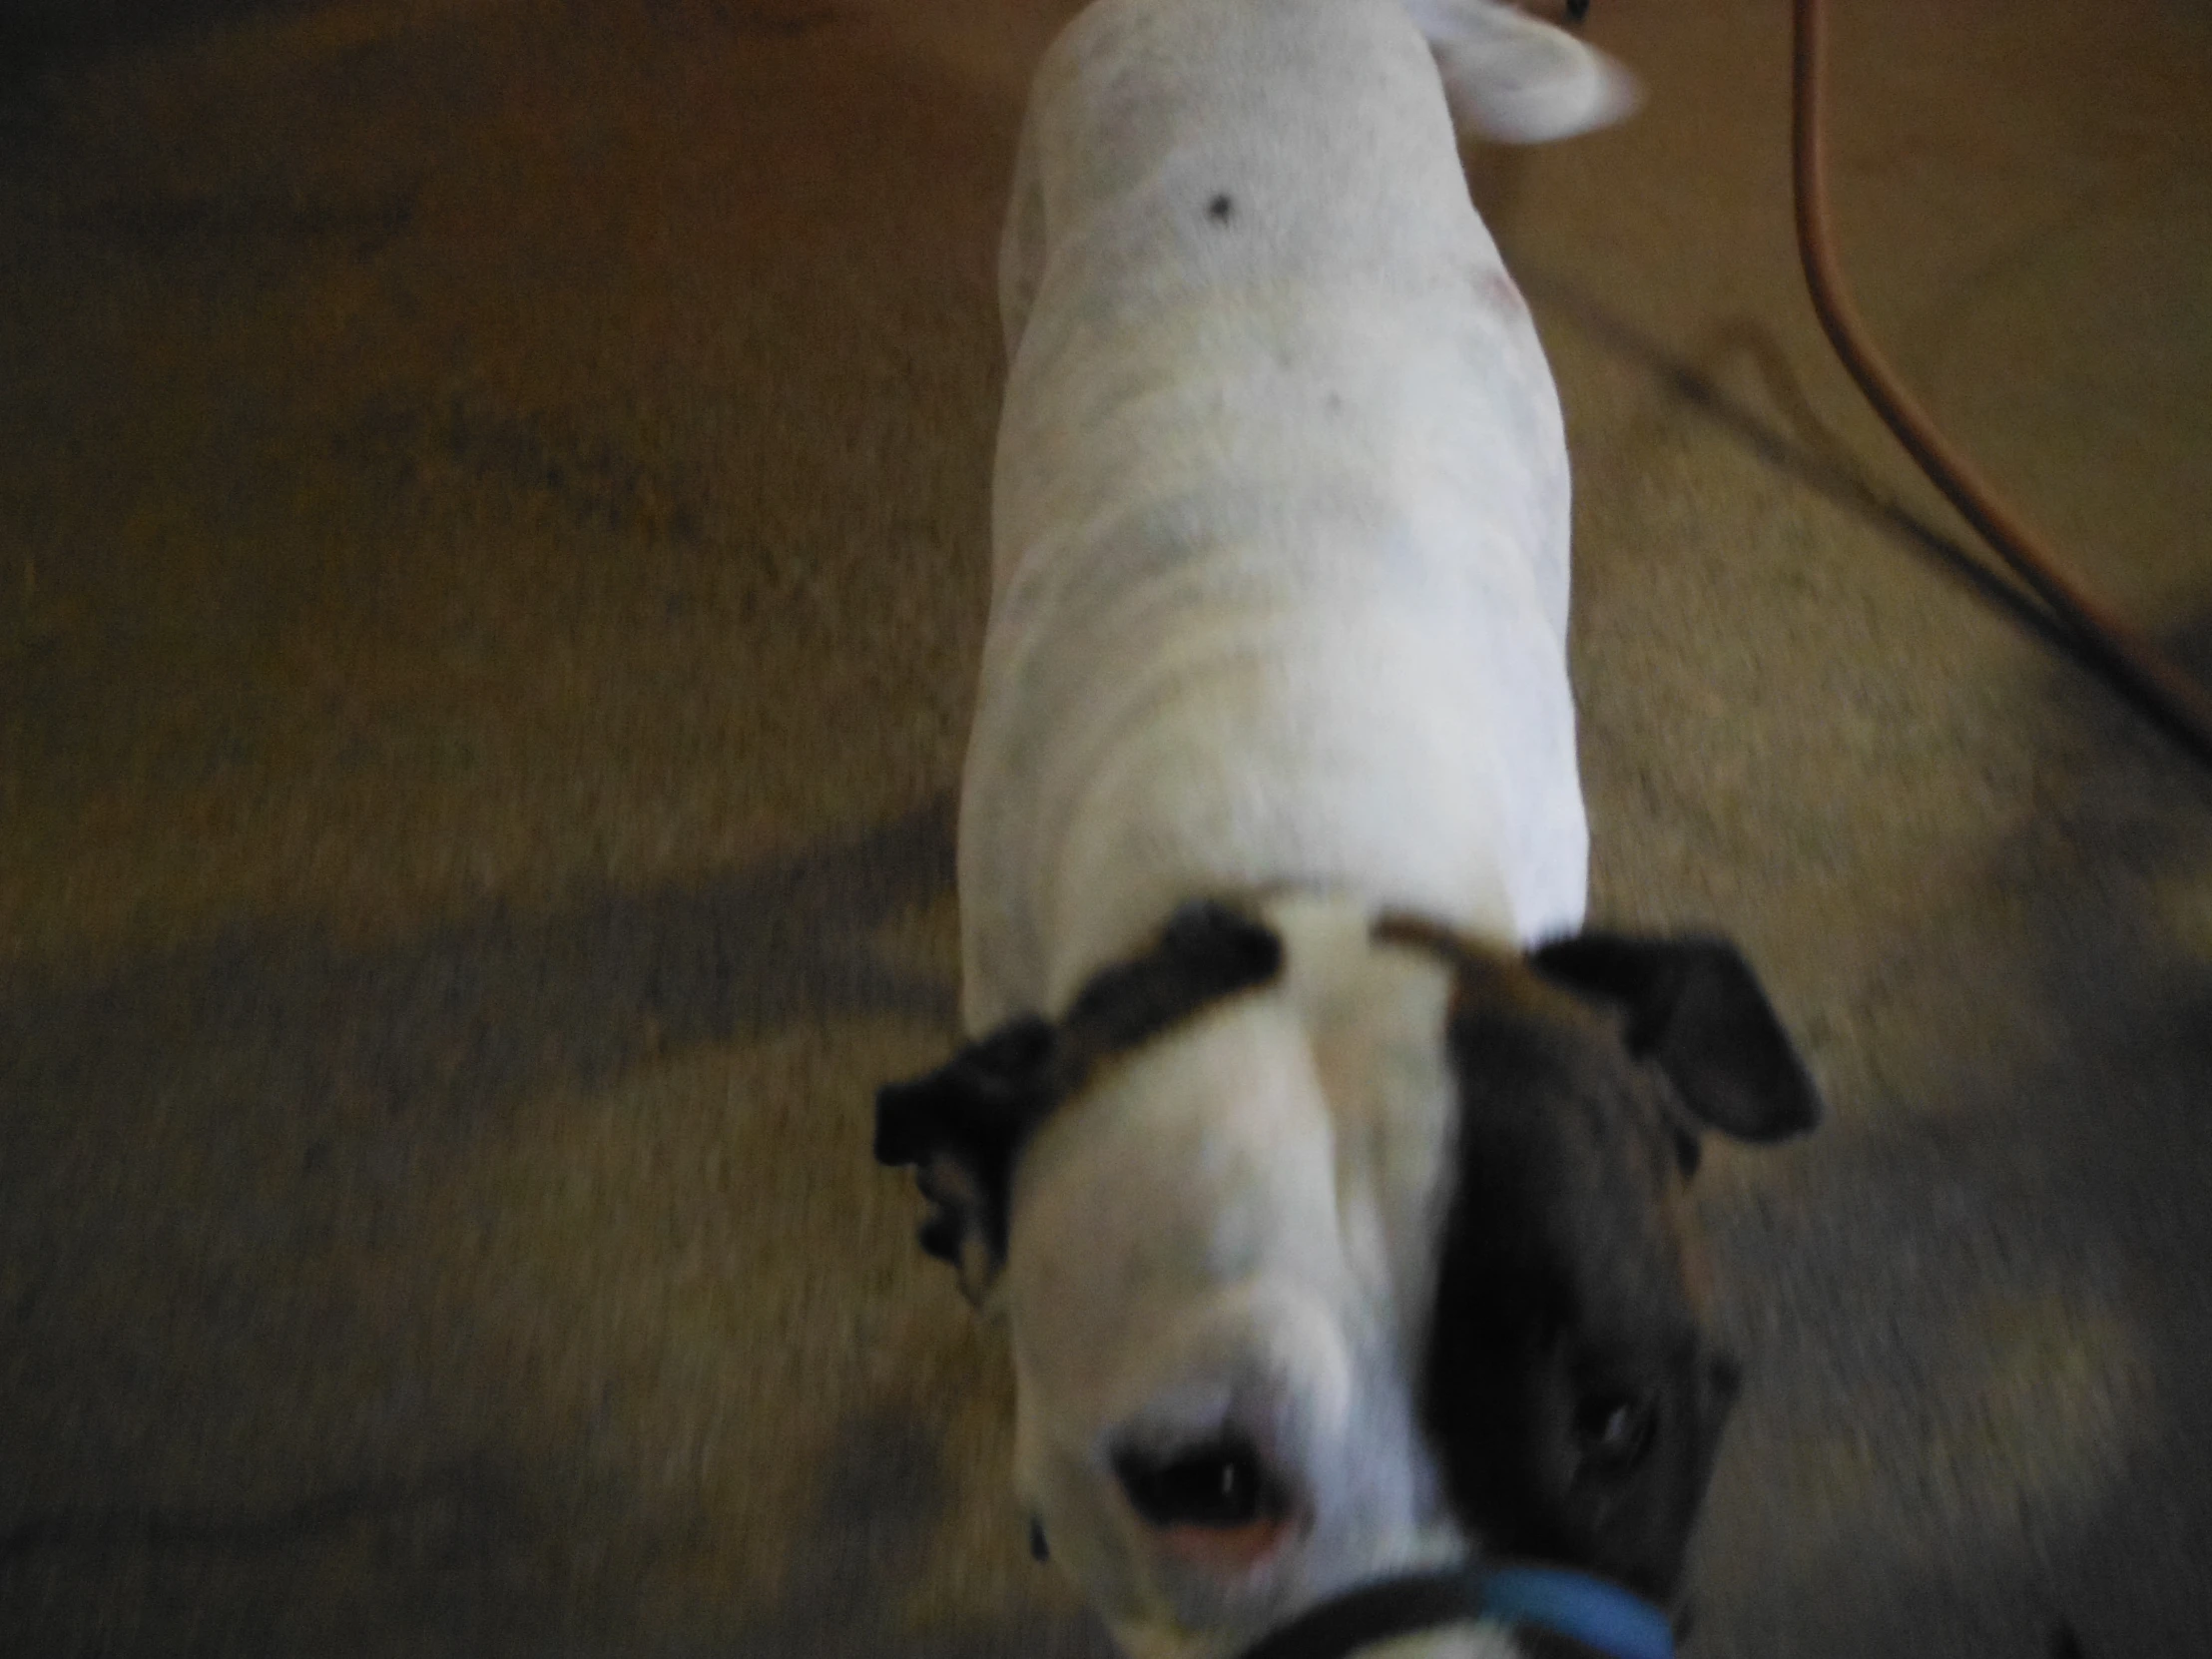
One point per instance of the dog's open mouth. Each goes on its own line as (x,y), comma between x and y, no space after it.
(1214,1505)
(1227,1551)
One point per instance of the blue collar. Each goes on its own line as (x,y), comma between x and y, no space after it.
(1593,1611)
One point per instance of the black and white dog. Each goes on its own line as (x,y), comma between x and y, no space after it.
(1327,1176)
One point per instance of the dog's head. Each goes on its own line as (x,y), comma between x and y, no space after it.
(1332,1245)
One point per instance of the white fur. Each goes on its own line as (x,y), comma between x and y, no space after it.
(1279,601)
(1235,1229)
(1515,78)
(1281,505)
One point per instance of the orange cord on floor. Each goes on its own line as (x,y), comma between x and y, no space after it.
(2128,658)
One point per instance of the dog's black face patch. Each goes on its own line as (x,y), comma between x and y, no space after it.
(1569,1388)
(1571,1392)
(963,1125)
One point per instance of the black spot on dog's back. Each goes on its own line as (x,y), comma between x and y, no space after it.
(1221,209)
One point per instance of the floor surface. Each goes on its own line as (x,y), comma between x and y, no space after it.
(491,567)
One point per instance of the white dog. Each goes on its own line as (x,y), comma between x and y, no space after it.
(1327,1178)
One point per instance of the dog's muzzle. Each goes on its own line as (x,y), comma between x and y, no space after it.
(1593,1612)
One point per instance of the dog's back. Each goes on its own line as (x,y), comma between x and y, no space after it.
(1281,508)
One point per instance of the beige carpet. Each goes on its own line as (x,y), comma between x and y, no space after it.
(491,558)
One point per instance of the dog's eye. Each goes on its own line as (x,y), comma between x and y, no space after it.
(1220,1485)
(1612,1431)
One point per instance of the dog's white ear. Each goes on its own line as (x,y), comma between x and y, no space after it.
(961,1127)
(1695,1009)
(1519,80)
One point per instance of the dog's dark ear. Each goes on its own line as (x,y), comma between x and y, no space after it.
(1696,1012)
(961,1127)
(1205,952)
